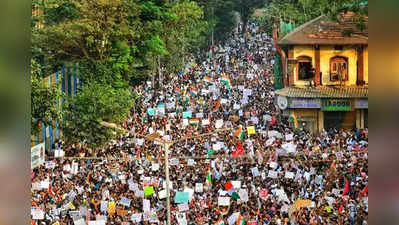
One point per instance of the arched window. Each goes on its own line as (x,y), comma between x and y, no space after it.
(339,68)
(304,70)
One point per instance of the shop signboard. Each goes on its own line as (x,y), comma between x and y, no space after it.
(305,103)
(337,105)
(362,103)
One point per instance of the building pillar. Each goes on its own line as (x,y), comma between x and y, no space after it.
(317,78)
(320,122)
(360,66)
(291,73)
(358,119)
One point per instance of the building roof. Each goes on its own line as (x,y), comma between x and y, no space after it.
(323,31)
(325,92)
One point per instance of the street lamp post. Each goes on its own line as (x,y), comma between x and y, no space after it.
(166,148)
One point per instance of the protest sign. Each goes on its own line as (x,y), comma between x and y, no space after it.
(199,187)
(137,217)
(289,147)
(243,195)
(37,214)
(181,218)
(37,154)
(251,130)
(162,194)
(125,202)
(263,193)
(199,115)
(233,218)
(50,165)
(182,197)
(289,137)
(273,165)
(205,122)
(151,111)
(236,184)
(219,124)
(74,168)
(272,174)
(255,171)
(149,191)
(289,175)
(224,201)
(174,162)
(155,167)
(183,207)
(146,205)
(190,162)
(80,221)
(187,114)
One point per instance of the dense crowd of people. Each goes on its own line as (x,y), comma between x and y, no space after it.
(250,167)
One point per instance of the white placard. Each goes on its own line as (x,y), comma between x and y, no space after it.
(289,137)
(146,205)
(236,184)
(174,162)
(162,194)
(183,207)
(243,195)
(273,165)
(289,175)
(199,187)
(190,162)
(219,124)
(205,122)
(272,174)
(255,172)
(224,201)
(37,154)
(155,167)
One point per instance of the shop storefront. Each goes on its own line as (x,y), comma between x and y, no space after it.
(304,110)
(339,113)
(361,106)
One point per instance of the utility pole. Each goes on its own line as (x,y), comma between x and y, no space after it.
(166,148)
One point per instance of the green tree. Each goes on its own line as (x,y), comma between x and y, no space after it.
(92,105)
(45,100)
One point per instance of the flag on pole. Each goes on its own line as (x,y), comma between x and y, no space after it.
(209,177)
(239,133)
(178,91)
(240,220)
(346,190)
(194,92)
(365,191)
(51,191)
(218,104)
(226,81)
(208,80)
(219,222)
(239,150)
(194,122)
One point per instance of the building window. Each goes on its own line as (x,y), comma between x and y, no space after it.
(305,69)
(339,68)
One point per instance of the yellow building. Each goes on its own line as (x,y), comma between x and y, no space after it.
(327,75)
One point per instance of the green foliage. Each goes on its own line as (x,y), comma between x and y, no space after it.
(44,100)
(302,11)
(93,104)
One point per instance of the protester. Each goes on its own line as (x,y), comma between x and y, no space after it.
(258,170)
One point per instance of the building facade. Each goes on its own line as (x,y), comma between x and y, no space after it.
(327,75)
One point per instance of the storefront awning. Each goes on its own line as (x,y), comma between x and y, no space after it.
(324,92)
